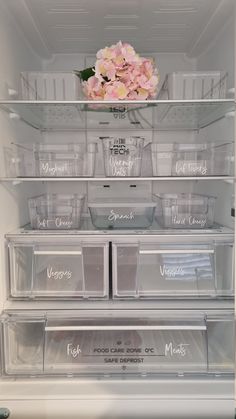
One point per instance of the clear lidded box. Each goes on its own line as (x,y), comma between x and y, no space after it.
(122,214)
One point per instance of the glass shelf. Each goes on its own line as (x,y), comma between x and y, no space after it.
(18,180)
(120,115)
(87,229)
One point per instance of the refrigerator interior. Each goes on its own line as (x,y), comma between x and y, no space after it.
(56,35)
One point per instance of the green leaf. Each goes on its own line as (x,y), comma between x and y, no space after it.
(85,74)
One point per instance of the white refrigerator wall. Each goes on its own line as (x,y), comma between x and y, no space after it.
(219,55)
(16,56)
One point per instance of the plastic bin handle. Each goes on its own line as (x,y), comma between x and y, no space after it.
(125,327)
(173,251)
(58,252)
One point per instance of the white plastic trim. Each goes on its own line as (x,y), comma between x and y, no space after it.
(173,251)
(125,327)
(57,252)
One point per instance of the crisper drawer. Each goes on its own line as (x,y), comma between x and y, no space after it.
(156,270)
(71,343)
(50,269)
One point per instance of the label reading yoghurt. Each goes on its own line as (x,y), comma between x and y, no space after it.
(53,169)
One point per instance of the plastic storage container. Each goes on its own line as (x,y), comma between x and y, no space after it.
(50,86)
(122,156)
(190,211)
(73,343)
(56,211)
(65,159)
(121,214)
(191,159)
(156,269)
(19,161)
(58,268)
(194,85)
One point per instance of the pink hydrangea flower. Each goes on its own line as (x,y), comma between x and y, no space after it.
(120,74)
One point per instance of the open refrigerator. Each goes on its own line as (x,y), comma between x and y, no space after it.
(117,218)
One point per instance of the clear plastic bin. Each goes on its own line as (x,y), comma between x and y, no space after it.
(194,85)
(183,211)
(191,159)
(72,160)
(155,269)
(50,85)
(74,343)
(19,161)
(122,156)
(58,268)
(121,214)
(56,211)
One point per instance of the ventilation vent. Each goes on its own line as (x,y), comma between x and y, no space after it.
(79,26)
(170,6)
(119,16)
(60,10)
(121,28)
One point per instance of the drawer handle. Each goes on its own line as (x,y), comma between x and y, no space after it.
(176,252)
(58,252)
(127,327)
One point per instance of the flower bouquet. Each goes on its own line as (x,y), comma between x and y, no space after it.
(120,73)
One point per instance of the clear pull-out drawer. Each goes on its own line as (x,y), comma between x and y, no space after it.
(157,270)
(71,344)
(53,270)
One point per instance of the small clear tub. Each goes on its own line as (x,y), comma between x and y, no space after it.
(62,160)
(56,211)
(185,211)
(209,159)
